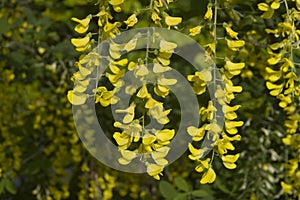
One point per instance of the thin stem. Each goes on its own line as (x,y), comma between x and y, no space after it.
(212,157)
(214,100)
(290,39)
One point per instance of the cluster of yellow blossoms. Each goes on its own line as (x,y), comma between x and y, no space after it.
(220,139)
(283,82)
(134,139)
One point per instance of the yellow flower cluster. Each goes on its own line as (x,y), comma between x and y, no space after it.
(221,139)
(283,83)
(152,145)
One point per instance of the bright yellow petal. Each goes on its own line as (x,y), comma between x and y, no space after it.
(75,98)
(131,66)
(130,45)
(165,135)
(235,44)
(141,70)
(209,13)
(167,46)
(115,2)
(148,139)
(131,21)
(173,21)
(158,68)
(195,30)
(143,92)
(128,155)
(230,158)
(208,177)
(164,81)
(263,6)
(80,42)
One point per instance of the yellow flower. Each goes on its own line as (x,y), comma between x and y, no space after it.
(274,59)
(263,6)
(156,19)
(273,75)
(131,21)
(159,154)
(199,81)
(158,113)
(235,44)
(207,113)
(284,100)
(116,4)
(233,69)
(208,177)
(167,46)
(112,29)
(158,68)
(230,126)
(229,88)
(151,102)
(229,111)
(224,144)
(83,25)
(127,157)
(165,55)
(172,21)
(287,188)
(141,70)
(148,139)
(164,81)
(275,90)
(268,11)
(129,113)
(229,161)
(81,42)
(196,153)
(76,98)
(129,46)
(143,92)
(115,78)
(204,164)
(164,136)
(155,170)
(209,13)
(105,97)
(195,30)
(131,66)
(196,133)
(229,31)
(161,90)
(123,140)
(133,129)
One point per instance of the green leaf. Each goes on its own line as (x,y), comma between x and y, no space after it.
(5,26)
(203,194)
(181,196)
(181,184)
(200,193)
(167,190)
(10,187)
(2,184)
(223,187)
